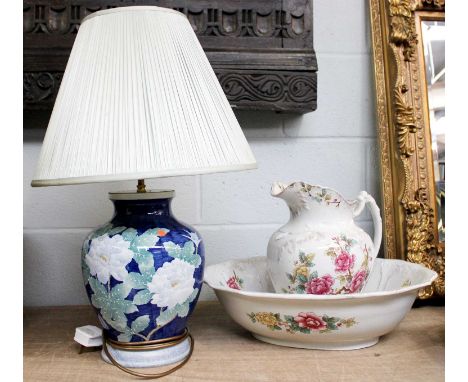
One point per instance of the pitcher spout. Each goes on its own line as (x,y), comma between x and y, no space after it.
(300,196)
(277,188)
(291,194)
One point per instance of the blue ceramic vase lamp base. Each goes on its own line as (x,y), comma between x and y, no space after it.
(143,273)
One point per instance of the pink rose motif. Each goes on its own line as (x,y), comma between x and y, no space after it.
(232,283)
(344,262)
(358,281)
(320,285)
(310,321)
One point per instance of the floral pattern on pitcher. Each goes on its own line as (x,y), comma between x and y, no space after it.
(322,196)
(348,278)
(306,192)
(304,322)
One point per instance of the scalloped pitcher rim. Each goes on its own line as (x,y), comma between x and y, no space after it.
(285,186)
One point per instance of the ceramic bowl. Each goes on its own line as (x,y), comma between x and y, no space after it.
(328,322)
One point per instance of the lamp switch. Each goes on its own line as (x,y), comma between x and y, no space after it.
(88,336)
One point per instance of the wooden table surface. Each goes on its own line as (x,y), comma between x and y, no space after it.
(226,352)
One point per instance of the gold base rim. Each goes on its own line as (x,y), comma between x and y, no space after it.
(148,345)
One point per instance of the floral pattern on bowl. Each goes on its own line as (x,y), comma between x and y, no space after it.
(234,282)
(304,322)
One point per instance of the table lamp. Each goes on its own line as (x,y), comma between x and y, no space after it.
(139,100)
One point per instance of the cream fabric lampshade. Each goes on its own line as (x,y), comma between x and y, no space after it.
(139,99)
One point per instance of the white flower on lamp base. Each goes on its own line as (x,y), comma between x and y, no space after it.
(108,256)
(172,284)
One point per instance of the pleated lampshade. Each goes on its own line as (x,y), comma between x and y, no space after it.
(139,99)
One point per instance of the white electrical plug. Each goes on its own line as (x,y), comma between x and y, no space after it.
(88,336)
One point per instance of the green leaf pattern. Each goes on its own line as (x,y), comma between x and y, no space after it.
(129,234)
(138,326)
(186,253)
(112,303)
(180,310)
(142,297)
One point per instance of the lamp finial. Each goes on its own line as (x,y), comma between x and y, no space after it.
(141,187)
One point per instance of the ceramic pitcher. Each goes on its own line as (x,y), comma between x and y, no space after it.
(321,250)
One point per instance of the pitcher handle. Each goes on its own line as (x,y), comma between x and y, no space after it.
(362,200)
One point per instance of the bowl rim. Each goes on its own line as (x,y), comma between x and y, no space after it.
(315,297)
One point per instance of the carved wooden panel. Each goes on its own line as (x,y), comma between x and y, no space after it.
(261,50)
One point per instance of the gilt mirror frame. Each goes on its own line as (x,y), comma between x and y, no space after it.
(407,173)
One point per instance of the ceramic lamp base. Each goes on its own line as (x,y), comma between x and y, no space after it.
(149,358)
(143,273)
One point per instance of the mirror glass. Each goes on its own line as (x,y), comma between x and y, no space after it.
(433,36)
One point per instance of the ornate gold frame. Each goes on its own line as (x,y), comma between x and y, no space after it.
(408,190)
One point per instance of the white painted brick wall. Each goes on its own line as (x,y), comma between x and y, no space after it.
(333,146)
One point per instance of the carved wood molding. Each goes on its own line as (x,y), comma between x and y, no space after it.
(286,88)
(213,18)
(40,89)
(245,89)
(261,50)
(405,151)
